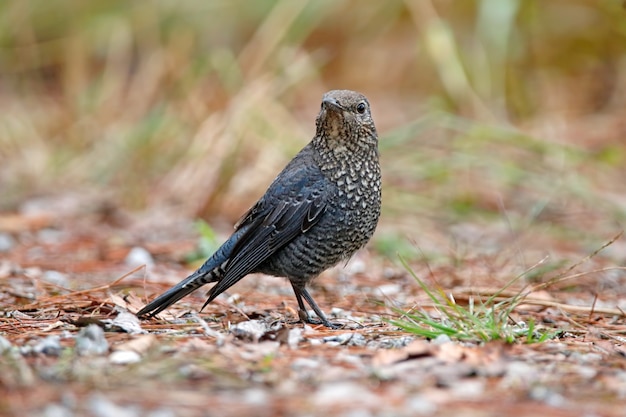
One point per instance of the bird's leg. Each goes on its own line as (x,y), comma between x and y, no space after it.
(304,315)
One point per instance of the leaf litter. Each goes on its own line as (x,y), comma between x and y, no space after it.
(73,346)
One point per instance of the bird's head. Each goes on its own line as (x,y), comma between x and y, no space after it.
(345,121)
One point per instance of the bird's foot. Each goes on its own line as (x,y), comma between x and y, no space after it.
(305,318)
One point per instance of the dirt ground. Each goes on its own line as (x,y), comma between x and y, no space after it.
(70,346)
(503,151)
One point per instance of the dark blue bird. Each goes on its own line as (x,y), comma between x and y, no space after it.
(319,210)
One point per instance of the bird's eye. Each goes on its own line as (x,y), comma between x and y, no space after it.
(361,108)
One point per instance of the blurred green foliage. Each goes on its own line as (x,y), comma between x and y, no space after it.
(486,108)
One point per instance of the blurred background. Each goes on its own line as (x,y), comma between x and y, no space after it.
(502,122)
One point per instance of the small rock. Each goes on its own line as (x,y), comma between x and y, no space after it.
(357,340)
(316,342)
(350,339)
(355,266)
(91,341)
(421,405)
(33,271)
(519,374)
(339,339)
(124,357)
(5,345)
(338,312)
(389,290)
(469,389)
(251,330)
(547,395)
(49,236)
(294,337)
(392,343)
(442,339)
(125,321)
(587,357)
(6,242)
(255,396)
(56,278)
(139,256)
(6,269)
(50,346)
(587,372)
(304,363)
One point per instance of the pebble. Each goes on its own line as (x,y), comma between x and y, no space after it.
(304,363)
(547,395)
(6,242)
(50,346)
(389,290)
(124,357)
(294,337)
(50,236)
(391,343)
(56,278)
(348,339)
(125,321)
(442,339)
(340,339)
(519,374)
(139,256)
(587,358)
(5,345)
(587,372)
(355,266)
(251,329)
(255,396)
(338,312)
(91,341)
(420,405)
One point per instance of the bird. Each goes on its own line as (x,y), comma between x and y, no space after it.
(320,209)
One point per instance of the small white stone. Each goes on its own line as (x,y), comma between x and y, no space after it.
(56,278)
(139,256)
(253,329)
(91,341)
(389,289)
(6,242)
(294,337)
(442,339)
(127,322)
(124,357)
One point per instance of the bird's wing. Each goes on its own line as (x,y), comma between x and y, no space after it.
(268,230)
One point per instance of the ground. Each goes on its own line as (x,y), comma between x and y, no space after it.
(71,347)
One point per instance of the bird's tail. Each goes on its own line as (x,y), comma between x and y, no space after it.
(178,291)
(211,271)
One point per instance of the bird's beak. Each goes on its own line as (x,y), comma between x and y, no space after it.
(330,102)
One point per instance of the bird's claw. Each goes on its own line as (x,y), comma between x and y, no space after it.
(305,318)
